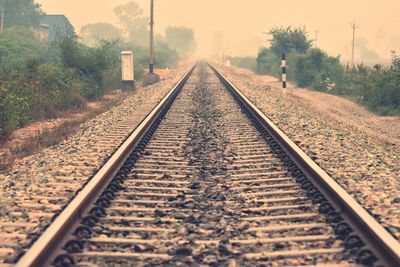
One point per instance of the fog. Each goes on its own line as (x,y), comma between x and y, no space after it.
(236,27)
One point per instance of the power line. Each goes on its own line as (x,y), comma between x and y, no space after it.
(354,26)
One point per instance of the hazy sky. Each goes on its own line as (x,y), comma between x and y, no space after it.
(241,23)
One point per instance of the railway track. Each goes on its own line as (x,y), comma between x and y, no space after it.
(207,179)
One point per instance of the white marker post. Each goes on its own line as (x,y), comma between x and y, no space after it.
(128,69)
(283,63)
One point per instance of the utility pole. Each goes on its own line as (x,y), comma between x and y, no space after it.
(151,63)
(354,26)
(151,77)
(1,20)
(316,38)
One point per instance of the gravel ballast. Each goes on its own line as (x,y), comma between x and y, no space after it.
(38,186)
(361,162)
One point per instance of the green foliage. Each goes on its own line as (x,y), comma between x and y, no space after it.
(32,86)
(138,31)
(128,12)
(267,62)
(381,88)
(376,87)
(89,63)
(21,13)
(93,33)
(40,78)
(182,40)
(131,18)
(165,56)
(289,40)
(318,70)
(179,40)
(244,62)
(18,44)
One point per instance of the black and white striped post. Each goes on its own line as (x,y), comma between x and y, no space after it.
(283,63)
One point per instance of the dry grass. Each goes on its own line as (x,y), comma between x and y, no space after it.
(50,137)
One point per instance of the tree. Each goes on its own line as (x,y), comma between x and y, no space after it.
(289,40)
(21,13)
(320,71)
(19,44)
(128,13)
(182,40)
(165,56)
(93,33)
(267,62)
(131,18)
(138,32)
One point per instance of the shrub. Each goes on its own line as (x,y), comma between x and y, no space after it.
(376,87)
(267,62)
(5,109)
(38,78)
(165,57)
(318,70)
(18,45)
(244,62)
(91,64)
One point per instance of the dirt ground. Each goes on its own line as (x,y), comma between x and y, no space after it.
(27,140)
(382,128)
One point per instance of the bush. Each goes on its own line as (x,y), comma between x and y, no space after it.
(165,57)
(267,62)
(37,91)
(317,70)
(6,110)
(244,62)
(40,78)
(35,86)
(59,87)
(376,87)
(381,90)
(91,64)
(18,45)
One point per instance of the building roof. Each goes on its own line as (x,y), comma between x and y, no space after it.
(59,25)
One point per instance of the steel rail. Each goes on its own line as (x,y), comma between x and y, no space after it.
(386,247)
(39,253)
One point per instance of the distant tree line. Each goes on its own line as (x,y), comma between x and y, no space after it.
(178,43)
(21,13)
(377,87)
(39,78)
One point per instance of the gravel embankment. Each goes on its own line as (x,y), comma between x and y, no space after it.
(39,186)
(364,165)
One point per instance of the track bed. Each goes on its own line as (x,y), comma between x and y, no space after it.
(208,188)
